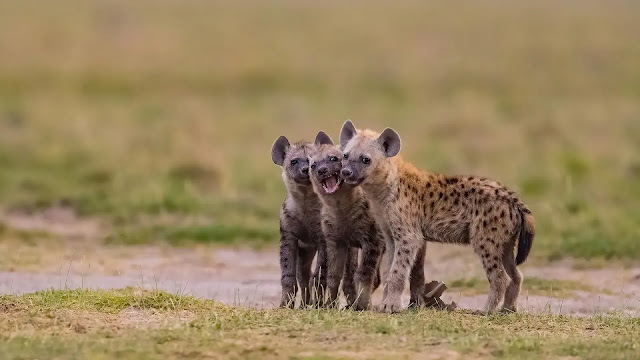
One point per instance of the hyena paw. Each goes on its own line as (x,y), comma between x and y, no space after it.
(509,310)
(287,304)
(360,305)
(389,307)
(416,303)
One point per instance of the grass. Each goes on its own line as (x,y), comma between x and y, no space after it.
(132,112)
(530,285)
(150,325)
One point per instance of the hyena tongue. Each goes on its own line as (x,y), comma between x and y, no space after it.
(331,184)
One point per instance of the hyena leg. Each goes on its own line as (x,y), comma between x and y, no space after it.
(336,258)
(288,262)
(319,281)
(377,278)
(367,272)
(305,259)
(404,255)
(385,264)
(513,289)
(416,279)
(496,274)
(348,284)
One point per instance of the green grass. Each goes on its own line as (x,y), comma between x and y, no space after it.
(156,325)
(195,234)
(130,112)
(530,285)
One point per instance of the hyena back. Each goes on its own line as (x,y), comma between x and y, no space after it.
(300,230)
(414,206)
(347,223)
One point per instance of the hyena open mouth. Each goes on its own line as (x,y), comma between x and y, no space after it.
(331,183)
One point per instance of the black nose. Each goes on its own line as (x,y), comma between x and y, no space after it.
(305,170)
(323,170)
(346,172)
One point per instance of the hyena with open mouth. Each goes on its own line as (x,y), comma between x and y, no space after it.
(347,225)
(413,206)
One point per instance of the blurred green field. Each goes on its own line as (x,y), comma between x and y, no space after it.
(159,115)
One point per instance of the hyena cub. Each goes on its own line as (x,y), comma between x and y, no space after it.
(416,206)
(347,225)
(300,231)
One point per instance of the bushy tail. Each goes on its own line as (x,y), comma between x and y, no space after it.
(527,232)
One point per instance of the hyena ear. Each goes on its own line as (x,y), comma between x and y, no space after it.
(348,131)
(279,150)
(390,141)
(323,139)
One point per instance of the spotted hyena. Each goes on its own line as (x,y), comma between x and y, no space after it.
(413,206)
(300,230)
(347,224)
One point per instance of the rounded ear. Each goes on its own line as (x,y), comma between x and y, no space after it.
(323,139)
(390,141)
(279,150)
(348,131)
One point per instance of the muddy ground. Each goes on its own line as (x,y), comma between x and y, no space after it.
(246,277)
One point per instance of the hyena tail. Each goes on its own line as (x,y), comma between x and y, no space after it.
(527,232)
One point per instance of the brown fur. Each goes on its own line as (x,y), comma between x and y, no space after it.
(347,224)
(300,230)
(413,206)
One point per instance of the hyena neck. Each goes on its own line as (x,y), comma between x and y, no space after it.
(382,186)
(300,193)
(343,200)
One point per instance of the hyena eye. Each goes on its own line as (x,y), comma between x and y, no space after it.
(333,158)
(294,162)
(345,156)
(366,160)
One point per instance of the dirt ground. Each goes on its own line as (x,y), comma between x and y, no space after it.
(245,277)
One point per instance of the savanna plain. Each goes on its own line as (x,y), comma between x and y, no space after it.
(139,204)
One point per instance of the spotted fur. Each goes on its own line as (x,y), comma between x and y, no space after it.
(413,206)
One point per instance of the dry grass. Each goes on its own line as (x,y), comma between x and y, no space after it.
(155,325)
(132,111)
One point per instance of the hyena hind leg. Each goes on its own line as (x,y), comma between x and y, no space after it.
(495,272)
(513,289)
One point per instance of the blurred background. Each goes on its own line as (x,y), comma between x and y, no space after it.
(156,118)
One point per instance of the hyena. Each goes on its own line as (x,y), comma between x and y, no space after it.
(347,224)
(415,206)
(300,231)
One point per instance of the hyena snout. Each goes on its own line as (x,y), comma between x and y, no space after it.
(323,170)
(346,173)
(304,171)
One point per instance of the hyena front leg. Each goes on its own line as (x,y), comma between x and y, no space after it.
(416,279)
(407,245)
(385,263)
(319,280)
(348,283)
(366,275)
(336,258)
(288,262)
(305,260)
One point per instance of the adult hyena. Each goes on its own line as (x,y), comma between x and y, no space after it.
(414,206)
(300,231)
(347,224)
